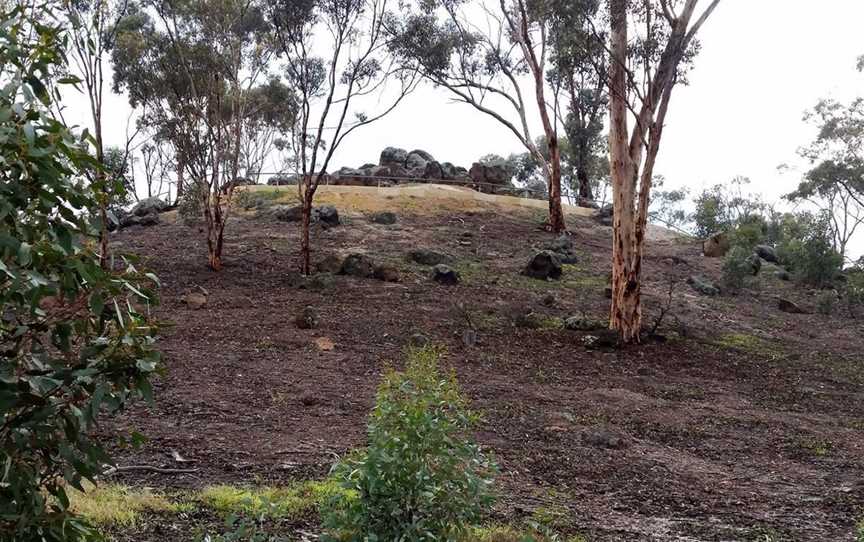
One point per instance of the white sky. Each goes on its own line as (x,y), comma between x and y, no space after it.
(762,64)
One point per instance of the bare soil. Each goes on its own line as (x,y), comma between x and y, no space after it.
(741,423)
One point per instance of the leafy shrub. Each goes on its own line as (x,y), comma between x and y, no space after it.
(826,303)
(737,266)
(807,250)
(74,337)
(190,205)
(853,291)
(420,477)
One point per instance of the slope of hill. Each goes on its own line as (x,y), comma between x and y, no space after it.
(736,421)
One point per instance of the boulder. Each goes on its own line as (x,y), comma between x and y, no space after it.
(703,285)
(148,220)
(358,265)
(287,213)
(332,263)
(606,215)
(149,206)
(307,318)
(544,265)
(326,214)
(782,274)
(490,173)
(716,246)
(383,217)
(116,218)
(790,307)
(433,171)
(283,180)
(563,247)
(418,159)
(443,274)
(387,273)
(767,253)
(393,156)
(581,323)
(427,257)
(448,171)
(321,281)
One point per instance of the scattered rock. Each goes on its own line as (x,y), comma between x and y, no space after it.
(307,319)
(327,215)
(703,285)
(605,339)
(469,338)
(287,213)
(148,220)
(386,273)
(606,215)
(295,279)
(581,323)
(418,340)
(325,344)
(716,246)
(332,263)
(526,318)
(767,253)
(443,274)
(358,265)
(195,300)
(782,274)
(549,300)
(427,257)
(149,206)
(792,308)
(544,265)
(563,247)
(383,217)
(309,399)
(321,281)
(604,438)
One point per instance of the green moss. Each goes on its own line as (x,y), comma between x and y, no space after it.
(748,343)
(119,505)
(818,447)
(859,531)
(292,502)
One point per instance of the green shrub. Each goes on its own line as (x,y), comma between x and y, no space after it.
(421,477)
(853,292)
(190,206)
(75,338)
(826,302)
(807,251)
(737,266)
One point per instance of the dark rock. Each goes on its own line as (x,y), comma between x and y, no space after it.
(284,180)
(383,217)
(418,159)
(563,247)
(358,265)
(544,265)
(287,213)
(581,323)
(321,281)
(604,438)
(418,340)
(433,171)
(608,292)
(332,263)
(326,214)
(149,206)
(295,279)
(606,215)
(307,319)
(448,171)
(427,257)
(148,220)
(549,300)
(443,274)
(703,285)
(386,273)
(767,253)
(782,274)
(602,339)
(393,156)
(491,173)
(716,246)
(116,218)
(788,306)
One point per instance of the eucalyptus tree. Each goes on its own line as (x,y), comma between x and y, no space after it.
(644,68)
(336,58)
(193,67)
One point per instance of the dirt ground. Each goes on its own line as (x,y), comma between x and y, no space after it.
(745,423)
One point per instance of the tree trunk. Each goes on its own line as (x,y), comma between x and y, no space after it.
(626,311)
(584,185)
(556,214)
(181,173)
(305,249)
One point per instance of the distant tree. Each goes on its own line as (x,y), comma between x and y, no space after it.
(723,207)
(484,63)
(578,71)
(643,70)
(157,158)
(350,34)
(194,76)
(835,182)
(667,206)
(267,126)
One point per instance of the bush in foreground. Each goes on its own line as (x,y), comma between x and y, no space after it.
(421,477)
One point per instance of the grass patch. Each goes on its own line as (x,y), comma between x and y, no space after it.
(815,446)
(119,505)
(750,344)
(508,533)
(293,502)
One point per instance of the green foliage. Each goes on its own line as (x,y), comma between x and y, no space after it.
(725,207)
(190,205)
(826,303)
(292,502)
(737,266)
(420,477)
(74,338)
(807,250)
(117,505)
(853,291)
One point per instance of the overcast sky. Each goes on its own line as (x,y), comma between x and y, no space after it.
(762,64)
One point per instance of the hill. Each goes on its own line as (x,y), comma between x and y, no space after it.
(734,421)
